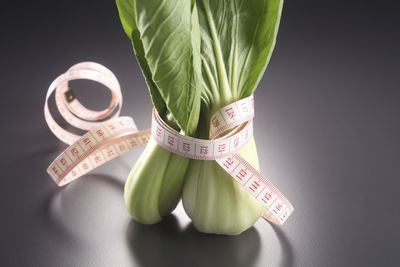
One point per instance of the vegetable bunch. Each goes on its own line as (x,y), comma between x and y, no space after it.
(197,56)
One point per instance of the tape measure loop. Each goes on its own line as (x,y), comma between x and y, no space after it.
(107,139)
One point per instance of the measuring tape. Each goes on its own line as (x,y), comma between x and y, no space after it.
(109,136)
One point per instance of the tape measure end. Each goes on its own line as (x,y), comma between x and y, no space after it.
(69,95)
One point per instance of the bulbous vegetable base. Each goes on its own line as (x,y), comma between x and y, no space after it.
(154,185)
(215,202)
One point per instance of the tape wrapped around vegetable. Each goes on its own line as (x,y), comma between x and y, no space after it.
(197,57)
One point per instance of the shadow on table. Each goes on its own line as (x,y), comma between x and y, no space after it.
(287,250)
(162,244)
(70,211)
(166,244)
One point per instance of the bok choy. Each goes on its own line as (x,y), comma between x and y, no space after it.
(165,37)
(197,56)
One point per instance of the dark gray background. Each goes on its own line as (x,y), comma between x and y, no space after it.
(327,129)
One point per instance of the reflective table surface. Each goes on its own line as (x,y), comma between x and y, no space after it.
(327,130)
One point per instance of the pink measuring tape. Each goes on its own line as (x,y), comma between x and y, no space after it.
(109,136)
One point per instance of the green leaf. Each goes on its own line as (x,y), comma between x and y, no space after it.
(238,37)
(126,14)
(162,34)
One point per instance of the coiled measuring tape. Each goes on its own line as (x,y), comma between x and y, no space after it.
(109,136)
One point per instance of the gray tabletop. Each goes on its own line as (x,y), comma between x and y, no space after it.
(327,130)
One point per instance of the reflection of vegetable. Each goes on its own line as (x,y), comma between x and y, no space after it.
(204,53)
(178,247)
